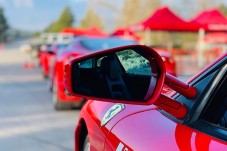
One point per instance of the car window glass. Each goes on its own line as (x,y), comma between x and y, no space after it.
(134,63)
(94,44)
(216,110)
(99,61)
(86,64)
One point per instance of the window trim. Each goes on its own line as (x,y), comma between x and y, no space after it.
(215,83)
(210,129)
(204,126)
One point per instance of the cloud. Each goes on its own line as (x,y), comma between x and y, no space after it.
(23,3)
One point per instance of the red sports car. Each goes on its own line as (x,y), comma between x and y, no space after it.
(168,61)
(45,55)
(80,46)
(128,110)
(51,43)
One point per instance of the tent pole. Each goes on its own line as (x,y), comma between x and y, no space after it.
(147,36)
(200,48)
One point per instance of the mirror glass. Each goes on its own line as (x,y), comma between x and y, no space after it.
(122,75)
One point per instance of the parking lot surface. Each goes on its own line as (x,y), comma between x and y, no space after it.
(28,121)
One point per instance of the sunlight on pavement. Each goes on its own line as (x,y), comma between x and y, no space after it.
(28,126)
(19,57)
(28,119)
(35,117)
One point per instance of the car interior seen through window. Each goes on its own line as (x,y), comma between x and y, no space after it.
(216,110)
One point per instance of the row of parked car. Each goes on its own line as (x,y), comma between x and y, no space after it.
(58,49)
(134,104)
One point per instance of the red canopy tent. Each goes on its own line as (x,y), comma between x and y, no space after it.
(91,32)
(209,20)
(96,32)
(75,31)
(126,33)
(165,20)
(162,19)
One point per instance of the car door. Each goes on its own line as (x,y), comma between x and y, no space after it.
(206,111)
(210,117)
(202,129)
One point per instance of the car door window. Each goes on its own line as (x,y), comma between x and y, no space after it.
(216,109)
(86,64)
(212,119)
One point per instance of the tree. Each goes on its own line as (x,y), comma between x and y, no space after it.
(3,26)
(223,9)
(135,11)
(53,27)
(66,19)
(91,19)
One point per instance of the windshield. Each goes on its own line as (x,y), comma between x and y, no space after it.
(94,44)
(62,46)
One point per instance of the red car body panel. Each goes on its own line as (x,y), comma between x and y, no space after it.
(45,60)
(93,113)
(155,137)
(168,60)
(138,122)
(58,79)
(142,128)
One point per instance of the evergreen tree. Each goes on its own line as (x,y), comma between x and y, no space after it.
(3,26)
(135,11)
(91,19)
(65,20)
(223,9)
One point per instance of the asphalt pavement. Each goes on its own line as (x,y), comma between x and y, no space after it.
(28,121)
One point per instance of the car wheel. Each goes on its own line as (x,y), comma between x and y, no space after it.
(79,104)
(87,144)
(58,105)
(45,76)
(50,85)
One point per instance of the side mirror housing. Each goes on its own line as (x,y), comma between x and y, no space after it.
(130,74)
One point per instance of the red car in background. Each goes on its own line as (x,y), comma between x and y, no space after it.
(48,54)
(45,54)
(80,46)
(168,60)
(129,112)
(51,42)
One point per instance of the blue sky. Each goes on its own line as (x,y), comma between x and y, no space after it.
(35,15)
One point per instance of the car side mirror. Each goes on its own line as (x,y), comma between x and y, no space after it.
(129,74)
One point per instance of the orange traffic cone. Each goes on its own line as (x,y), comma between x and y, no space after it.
(25,65)
(32,66)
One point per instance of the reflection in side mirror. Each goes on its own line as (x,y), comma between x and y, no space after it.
(125,74)
(132,74)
